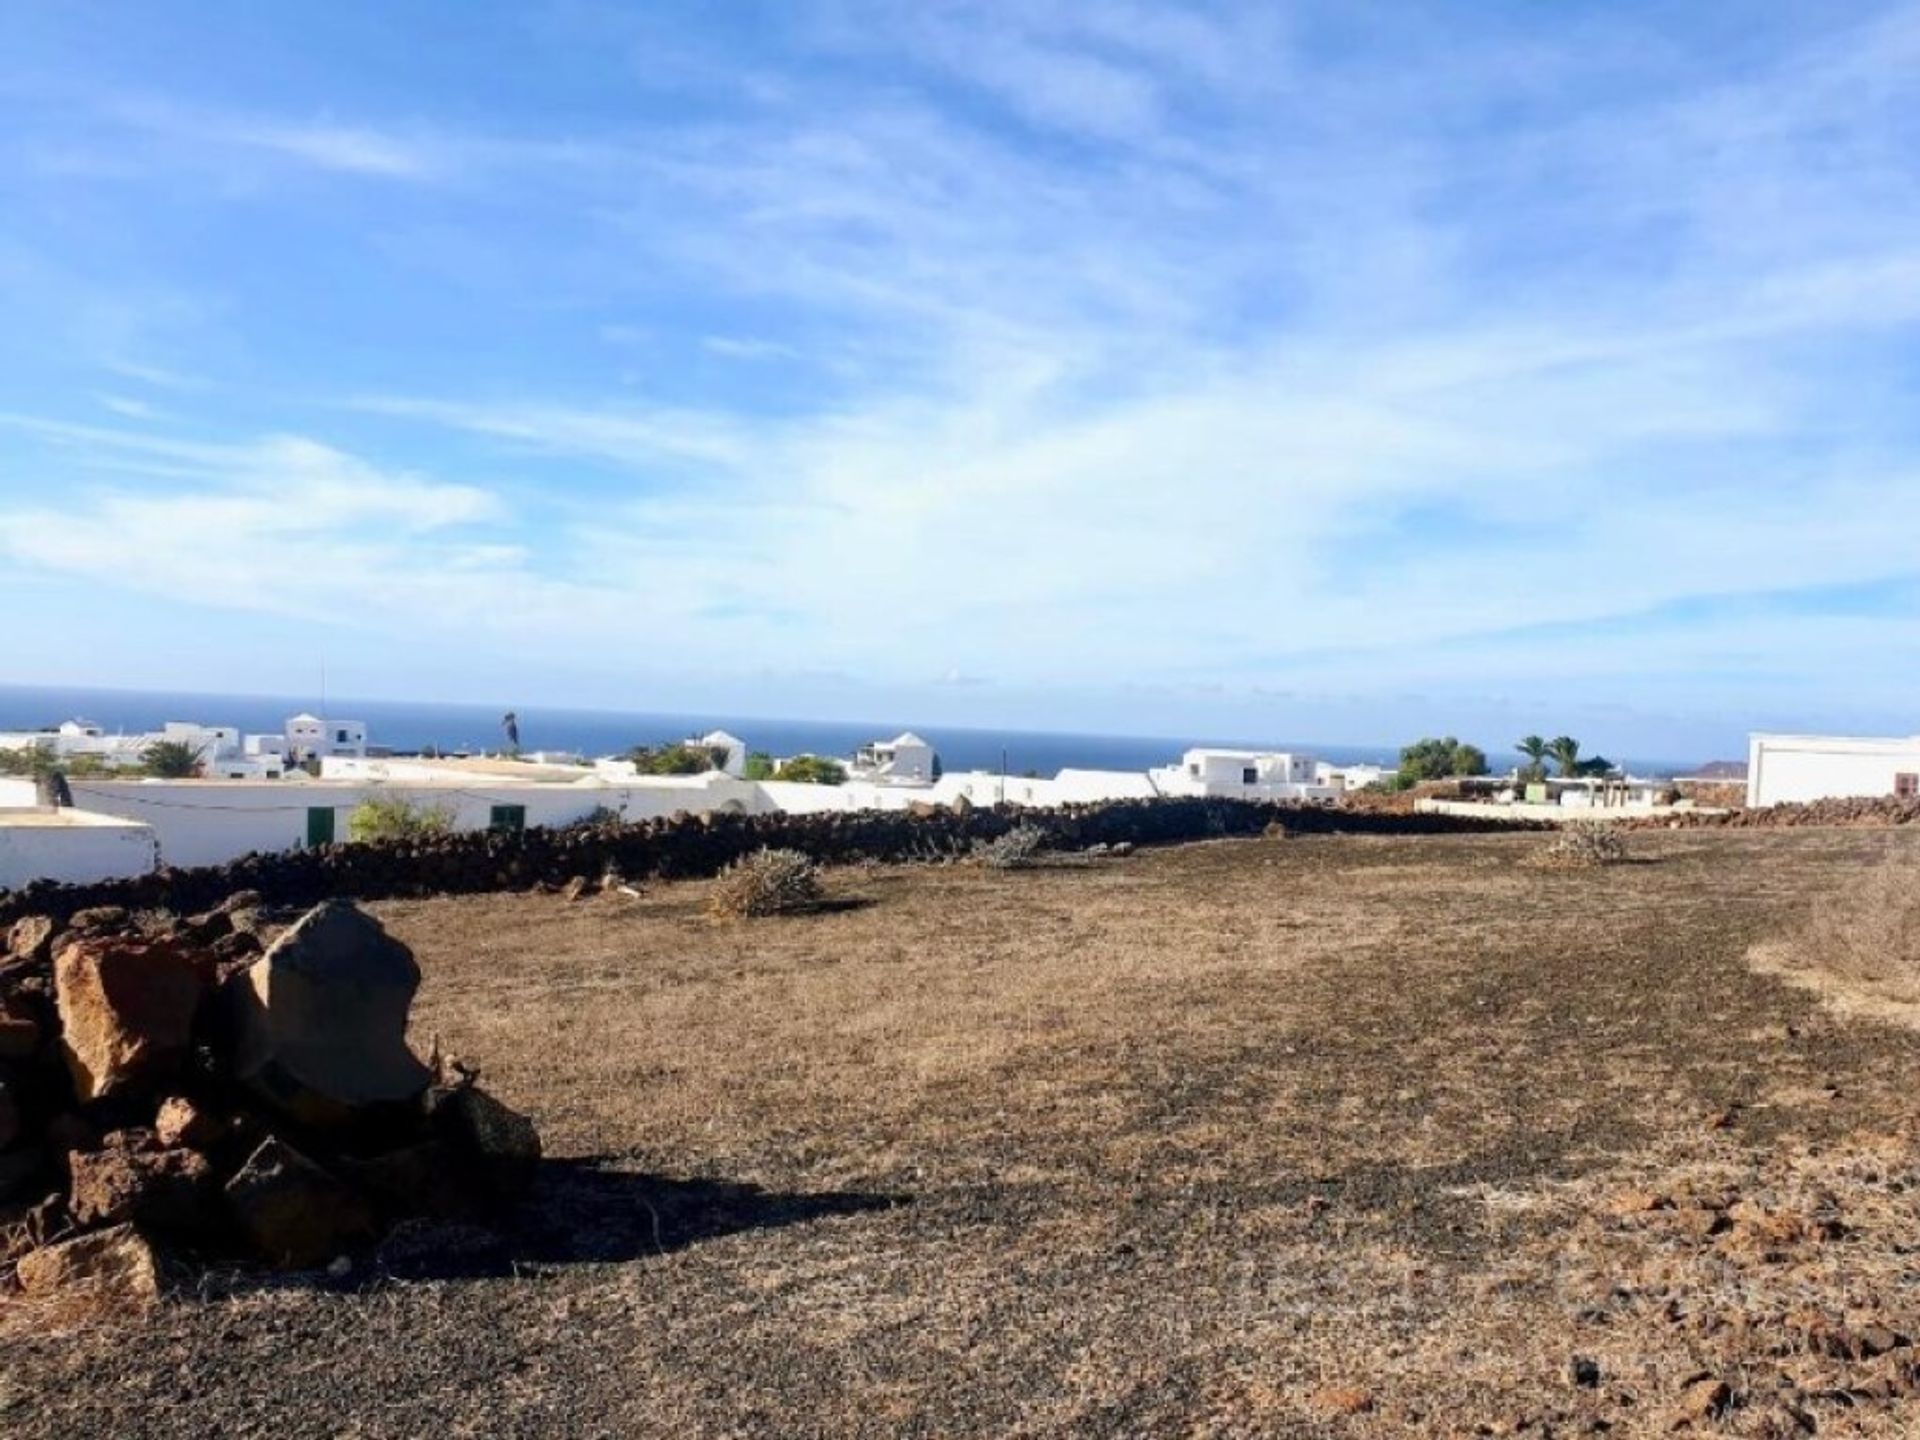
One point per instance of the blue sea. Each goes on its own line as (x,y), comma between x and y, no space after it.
(408,726)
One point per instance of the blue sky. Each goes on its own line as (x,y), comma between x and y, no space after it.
(1318,369)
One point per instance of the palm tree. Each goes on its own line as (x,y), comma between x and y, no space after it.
(1535,749)
(1565,751)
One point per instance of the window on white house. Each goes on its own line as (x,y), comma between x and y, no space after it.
(1249,775)
(1194,770)
(1906,786)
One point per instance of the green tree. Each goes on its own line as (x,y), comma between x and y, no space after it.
(171,760)
(1565,751)
(1536,751)
(678,758)
(1441,758)
(35,759)
(759,766)
(812,770)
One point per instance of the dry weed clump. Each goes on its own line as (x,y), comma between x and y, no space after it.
(1584,845)
(1019,849)
(1868,932)
(767,882)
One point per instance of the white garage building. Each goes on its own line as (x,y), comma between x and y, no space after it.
(1786,768)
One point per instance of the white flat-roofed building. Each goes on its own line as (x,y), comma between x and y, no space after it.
(76,847)
(1784,769)
(309,737)
(1243,775)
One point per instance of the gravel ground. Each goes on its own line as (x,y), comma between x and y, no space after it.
(1288,1137)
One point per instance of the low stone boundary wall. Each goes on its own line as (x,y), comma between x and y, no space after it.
(690,846)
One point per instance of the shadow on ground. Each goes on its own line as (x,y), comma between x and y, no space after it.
(587,1210)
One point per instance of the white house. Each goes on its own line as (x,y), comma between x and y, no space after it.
(1347,777)
(904,760)
(1242,775)
(1786,768)
(311,738)
(731,747)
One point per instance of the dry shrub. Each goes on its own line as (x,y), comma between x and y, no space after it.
(1869,931)
(767,882)
(1019,849)
(1275,830)
(1583,845)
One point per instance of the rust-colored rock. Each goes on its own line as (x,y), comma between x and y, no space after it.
(131,1177)
(1341,1400)
(30,939)
(116,1264)
(99,918)
(294,1212)
(182,1122)
(1701,1399)
(126,1011)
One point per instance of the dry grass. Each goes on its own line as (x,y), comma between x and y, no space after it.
(1858,948)
(767,882)
(1326,1138)
(1868,931)
(1581,845)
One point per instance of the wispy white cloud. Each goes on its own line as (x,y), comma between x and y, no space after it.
(1224,343)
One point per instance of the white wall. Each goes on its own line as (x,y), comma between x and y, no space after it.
(211,822)
(75,848)
(1790,768)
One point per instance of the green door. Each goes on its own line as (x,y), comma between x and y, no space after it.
(507,817)
(320,825)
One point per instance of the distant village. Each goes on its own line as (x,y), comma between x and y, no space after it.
(80,804)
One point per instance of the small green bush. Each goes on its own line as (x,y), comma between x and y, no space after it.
(382,817)
(812,770)
(678,758)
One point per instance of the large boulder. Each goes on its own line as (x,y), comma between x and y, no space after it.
(294,1212)
(114,1264)
(320,1020)
(131,1177)
(126,1011)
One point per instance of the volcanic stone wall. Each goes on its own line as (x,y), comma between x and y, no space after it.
(688,846)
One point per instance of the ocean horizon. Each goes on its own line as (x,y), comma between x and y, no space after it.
(412,725)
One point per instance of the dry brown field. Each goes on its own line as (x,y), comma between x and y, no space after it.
(1269,1137)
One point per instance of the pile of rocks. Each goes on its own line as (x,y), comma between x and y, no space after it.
(222,1088)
